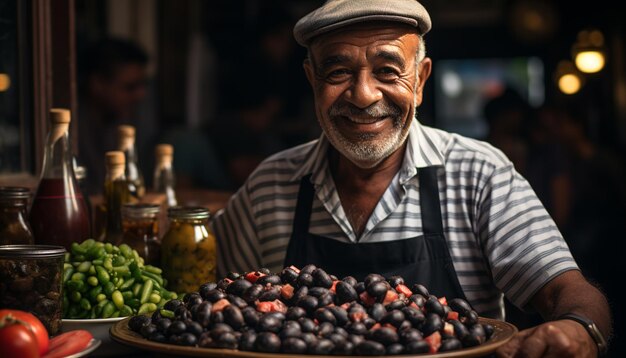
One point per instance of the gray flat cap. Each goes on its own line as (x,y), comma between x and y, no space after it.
(335,14)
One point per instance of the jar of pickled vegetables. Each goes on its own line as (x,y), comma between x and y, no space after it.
(188,251)
(140,229)
(14,226)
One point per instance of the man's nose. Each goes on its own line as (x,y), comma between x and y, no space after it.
(364,91)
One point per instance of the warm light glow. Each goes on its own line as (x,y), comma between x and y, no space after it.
(569,83)
(5,82)
(589,61)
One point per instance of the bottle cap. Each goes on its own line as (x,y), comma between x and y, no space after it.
(126,131)
(164,149)
(60,115)
(115,157)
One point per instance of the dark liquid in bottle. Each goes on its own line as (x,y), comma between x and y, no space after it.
(59,215)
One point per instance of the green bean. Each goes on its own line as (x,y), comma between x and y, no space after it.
(94,292)
(147,307)
(119,261)
(75,296)
(92,280)
(146,291)
(77,249)
(127,284)
(109,287)
(155,277)
(87,244)
(122,270)
(162,303)
(118,299)
(108,264)
(126,251)
(126,311)
(127,295)
(84,266)
(100,306)
(101,297)
(75,285)
(155,298)
(152,269)
(108,310)
(92,270)
(137,289)
(78,276)
(133,302)
(68,273)
(119,281)
(115,314)
(84,304)
(108,247)
(103,275)
(97,262)
(167,313)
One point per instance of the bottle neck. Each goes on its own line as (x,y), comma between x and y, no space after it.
(57,159)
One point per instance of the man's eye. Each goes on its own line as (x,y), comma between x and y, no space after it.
(337,74)
(387,71)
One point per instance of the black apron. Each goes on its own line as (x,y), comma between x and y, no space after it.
(423,259)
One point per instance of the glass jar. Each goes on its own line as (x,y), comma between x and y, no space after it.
(31,279)
(188,252)
(140,225)
(14,227)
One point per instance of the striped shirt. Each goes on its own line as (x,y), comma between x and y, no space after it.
(501,239)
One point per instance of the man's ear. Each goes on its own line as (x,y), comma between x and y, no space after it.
(309,71)
(423,72)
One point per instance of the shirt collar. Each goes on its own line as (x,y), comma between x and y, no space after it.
(423,150)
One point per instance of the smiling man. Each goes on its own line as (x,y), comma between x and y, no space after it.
(379,192)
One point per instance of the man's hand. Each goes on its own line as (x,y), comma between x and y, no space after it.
(563,338)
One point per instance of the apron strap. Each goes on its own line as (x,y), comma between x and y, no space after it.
(296,249)
(429,201)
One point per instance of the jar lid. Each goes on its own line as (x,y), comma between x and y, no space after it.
(14,192)
(141,209)
(188,212)
(31,251)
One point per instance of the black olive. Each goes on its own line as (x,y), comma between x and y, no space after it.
(469,319)
(182,313)
(294,313)
(271,294)
(232,275)
(340,315)
(308,269)
(418,299)
(223,284)
(371,278)
(233,316)
(156,316)
(355,308)
(216,317)
(246,341)
(177,327)
(269,323)
(317,292)
(410,335)
(341,331)
(163,325)
(252,293)
(325,329)
(236,301)
(488,330)
(395,281)
(336,338)
(205,340)
(450,344)
(377,311)
(290,329)
(433,305)
(308,338)
(360,287)
(344,348)
(293,345)
(415,316)
(415,347)
(321,346)
(203,313)
(172,305)
(377,289)
(345,292)
(265,270)
(356,328)
(356,338)
(460,331)
(405,325)
(191,296)
(226,340)
(271,279)
(187,339)
(478,331)
(432,324)
(299,294)
(218,329)
(470,340)
(384,335)
(309,303)
(324,315)
(420,289)
(325,299)
(394,349)
(395,305)
(214,295)
(446,310)
(369,322)
(369,348)
(288,275)
(238,287)
(148,330)
(158,337)
(350,280)
(395,317)
(307,325)
(267,342)
(194,328)
(321,278)
(136,322)
(250,316)
(305,279)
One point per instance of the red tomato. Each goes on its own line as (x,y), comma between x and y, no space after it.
(220,305)
(286,291)
(453,315)
(17,340)
(434,341)
(404,290)
(390,296)
(35,325)
(69,343)
(443,301)
(253,276)
(333,288)
(367,299)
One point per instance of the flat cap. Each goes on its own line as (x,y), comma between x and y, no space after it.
(335,14)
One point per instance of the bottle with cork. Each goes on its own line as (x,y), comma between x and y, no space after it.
(116,193)
(59,215)
(126,144)
(164,174)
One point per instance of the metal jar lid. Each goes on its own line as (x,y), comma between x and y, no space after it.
(188,212)
(14,192)
(31,251)
(140,210)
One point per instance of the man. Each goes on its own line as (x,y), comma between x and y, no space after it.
(379,192)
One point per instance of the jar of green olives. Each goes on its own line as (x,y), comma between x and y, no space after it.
(188,249)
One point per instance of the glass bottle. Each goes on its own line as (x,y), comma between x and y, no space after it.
(164,174)
(126,141)
(188,251)
(141,230)
(116,194)
(14,227)
(59,215)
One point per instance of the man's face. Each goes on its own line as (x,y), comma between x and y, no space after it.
(367,85)
(122,92)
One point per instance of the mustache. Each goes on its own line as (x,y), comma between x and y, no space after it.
(376,110)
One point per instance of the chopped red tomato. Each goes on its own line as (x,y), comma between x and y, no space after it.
(448,329)
(358,316)
(367,299)
(286,291)
(375,326)
(434,341)
(333,288)
(294,268)
(404,290)
(443,301)
(271,306)
(453,315)
(253,276)
(390,296)
(220,305)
